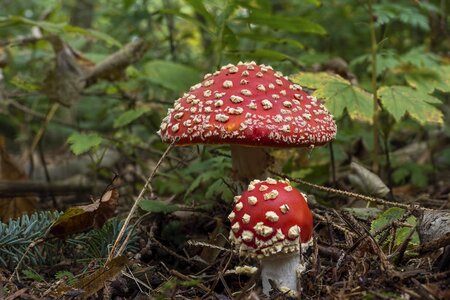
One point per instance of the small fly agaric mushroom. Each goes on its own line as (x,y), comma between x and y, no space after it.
(248,105)
(272,222)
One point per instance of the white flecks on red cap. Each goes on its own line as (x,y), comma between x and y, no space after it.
(248,104)
(278,225)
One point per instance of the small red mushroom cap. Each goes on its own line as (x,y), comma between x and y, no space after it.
(248,104)
(271,217)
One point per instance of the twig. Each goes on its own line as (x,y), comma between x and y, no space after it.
(112,253)
(35,114)
(47,175)
(203,244)
(42,130)
(33,244)
(434,244)
(350,194)
(337,226)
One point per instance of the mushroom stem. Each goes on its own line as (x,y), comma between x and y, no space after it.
(283,270)
(249,162)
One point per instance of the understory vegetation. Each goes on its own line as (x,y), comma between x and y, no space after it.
(93,204)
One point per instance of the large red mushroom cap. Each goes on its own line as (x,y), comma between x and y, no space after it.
(271,217)
(248,104)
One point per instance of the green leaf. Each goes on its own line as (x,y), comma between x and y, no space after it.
(393,12)
(129,116)
(271,40)
(419,57)
(314,2)
(156,206)
(66,276)
(391,215)
(59,28)
(199,7)
(339,95)
(24,84)
(267,54)
(81,142)
(399,100)
(32,275)
(418,175)
(428,80)
(173,76)
(287,23)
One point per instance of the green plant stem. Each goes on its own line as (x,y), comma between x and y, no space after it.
(376,107)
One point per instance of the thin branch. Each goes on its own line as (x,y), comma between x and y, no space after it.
(113,253)
(351,194)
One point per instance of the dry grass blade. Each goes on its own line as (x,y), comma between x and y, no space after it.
(113,253)
(350,194)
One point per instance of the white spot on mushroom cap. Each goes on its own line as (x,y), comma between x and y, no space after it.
(175,127)
(239,206)
(255,181)
(178,116)
(294,232)
(273,194)
(235,111)
(272,216)
(222,118)
(266,104)
(252,200)
(236,227)
(236,99)
(218,103)
(288,188)
(231,216)
(262,229)
(207,93)
(270,180)
(263,187)
(233,69)
(284,208)
(247,236)
(246,92)
(227,84)
(246,218)
(236,199)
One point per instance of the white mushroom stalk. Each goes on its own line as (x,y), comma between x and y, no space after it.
(284,270)
(270,221)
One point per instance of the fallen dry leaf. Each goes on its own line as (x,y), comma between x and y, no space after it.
(367,182)
(83,218)
(90,284)
(13,207)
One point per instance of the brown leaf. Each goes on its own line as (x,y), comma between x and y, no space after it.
(88,285)
(84,218)
(11,208)
(366,182)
